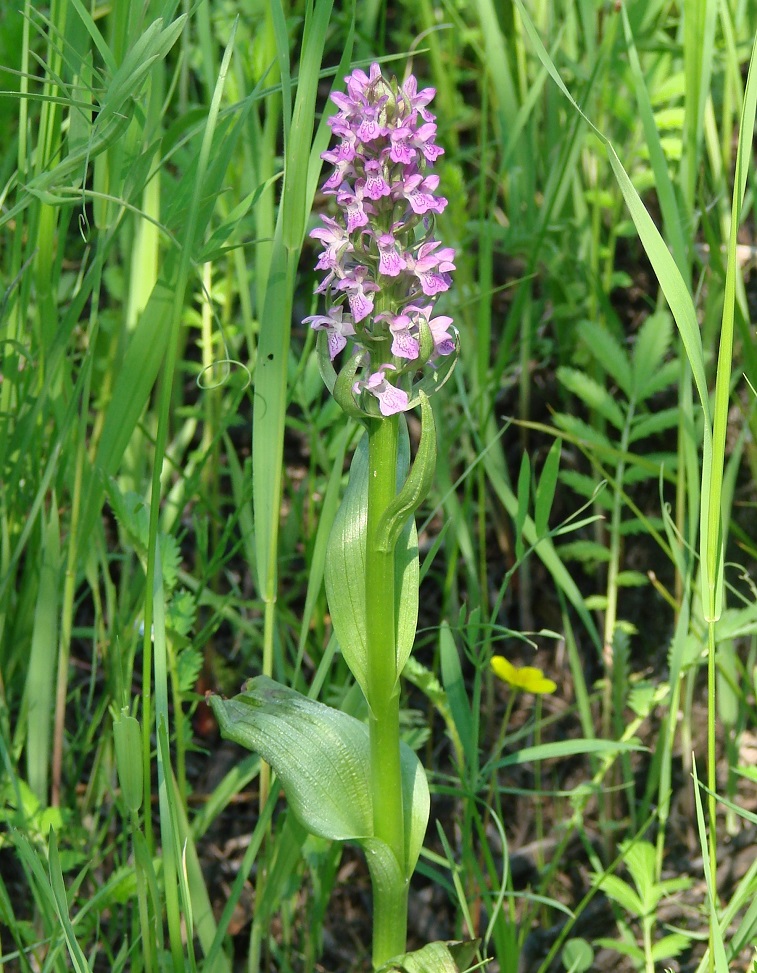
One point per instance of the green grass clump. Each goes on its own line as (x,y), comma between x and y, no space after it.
(170,468)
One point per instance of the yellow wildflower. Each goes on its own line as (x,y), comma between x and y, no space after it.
(528,678)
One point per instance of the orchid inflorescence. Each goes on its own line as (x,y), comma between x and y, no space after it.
(384,269)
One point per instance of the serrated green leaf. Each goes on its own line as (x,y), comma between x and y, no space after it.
(666,377)
(603,347)
(345,568)
(649,425)
(670,946)
(188,666)
(592,394)
(582,432)
(622,893)
(133,515)
(322,757)
(627,949)
(586,486)
(652,343)
(182,610)
(639,858)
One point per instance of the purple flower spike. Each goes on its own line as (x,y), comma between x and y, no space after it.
(378,250)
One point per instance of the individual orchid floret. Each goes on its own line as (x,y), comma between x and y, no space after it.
(375,185)
(390,399)
(401,151)
(347,148)
(336,324)
(418,99)
(444,338)
(418,190)
(405,344)
(336,242)
(358,83)
(424,140)
(356,210)
(432,269)
(343,171)
(358,289)
(391,262)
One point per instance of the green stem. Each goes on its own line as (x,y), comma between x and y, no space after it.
(389,898)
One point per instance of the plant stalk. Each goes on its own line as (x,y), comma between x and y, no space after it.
(389,898)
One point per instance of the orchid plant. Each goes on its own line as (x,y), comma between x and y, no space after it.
(383,273)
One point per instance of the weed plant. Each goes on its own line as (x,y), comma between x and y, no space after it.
(170,468)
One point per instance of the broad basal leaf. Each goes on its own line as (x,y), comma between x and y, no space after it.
(322,757)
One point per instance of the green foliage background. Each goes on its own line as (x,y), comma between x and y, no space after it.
(170,467)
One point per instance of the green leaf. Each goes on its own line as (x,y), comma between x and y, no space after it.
(611,356)
(133,516)
(416,486)
(567,748)
(589,552)
(627,949)
(582,431)
(449,957)
(622,893)
(457,697)
(322,757)
(651,346)
(670,946)
(577,956)
(345,569)
(545,491)
(524,495)
(639,858)
(127,738)
(631,579)
(592,394)
(656,422)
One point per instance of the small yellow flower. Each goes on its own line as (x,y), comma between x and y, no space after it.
(528,678)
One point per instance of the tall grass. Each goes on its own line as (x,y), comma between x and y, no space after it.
(170,468)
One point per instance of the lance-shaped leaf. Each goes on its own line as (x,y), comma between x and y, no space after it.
(416,486)
(345,568)
(322,757)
